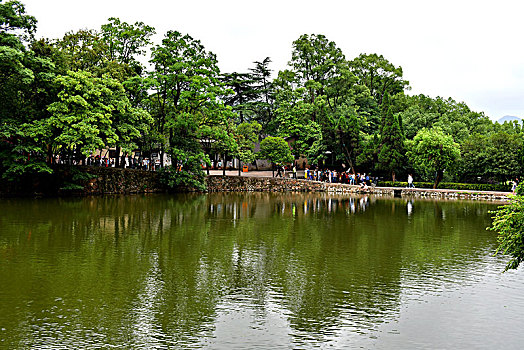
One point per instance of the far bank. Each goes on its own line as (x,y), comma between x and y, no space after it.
(84,181)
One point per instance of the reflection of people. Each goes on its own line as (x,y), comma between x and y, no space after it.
(410,207)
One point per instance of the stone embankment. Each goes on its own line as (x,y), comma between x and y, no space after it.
(99,180)
(121,181)
(84,180)
(217,183)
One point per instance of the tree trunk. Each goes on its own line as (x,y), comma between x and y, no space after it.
(393,175)
(162,155)
(273,168)
(50,156)
(239,166)
(438,178)
(224,166)
(117,158)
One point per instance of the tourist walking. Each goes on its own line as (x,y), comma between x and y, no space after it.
(279,171)
(410,181)
(514,185)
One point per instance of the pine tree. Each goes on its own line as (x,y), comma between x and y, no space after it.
(392,152)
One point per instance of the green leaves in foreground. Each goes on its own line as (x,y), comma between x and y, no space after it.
(509,223)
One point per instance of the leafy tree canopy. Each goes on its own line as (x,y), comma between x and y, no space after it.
(433,151)
(276,150)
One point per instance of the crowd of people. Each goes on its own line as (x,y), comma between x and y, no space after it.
(129,162)
(328,175)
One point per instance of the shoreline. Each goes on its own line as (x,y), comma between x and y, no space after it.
(103,181)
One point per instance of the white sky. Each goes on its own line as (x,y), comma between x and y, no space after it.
(471,51)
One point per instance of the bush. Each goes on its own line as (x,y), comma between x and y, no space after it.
(450,186)
(509,223)
(176,180)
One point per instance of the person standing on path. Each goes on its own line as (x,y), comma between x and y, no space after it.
(514,185)
(410,181)
(294,171)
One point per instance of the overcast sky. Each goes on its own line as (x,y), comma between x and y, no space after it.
(471,51)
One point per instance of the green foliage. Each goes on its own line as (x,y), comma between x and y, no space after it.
(185,104)
(432,151)
(190,176)
(83,50)
(125,41)
(276,150)
(76,179)
(82,117)
(379,75)
(345,134)
(493,157)
(89,91)
(391,154)
(15,24)
(263,106)
(244,95)
(508,221)
(454,118)
(247,135)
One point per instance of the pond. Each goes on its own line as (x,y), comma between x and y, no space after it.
(254,271)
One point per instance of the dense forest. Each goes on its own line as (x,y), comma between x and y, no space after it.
(66,98)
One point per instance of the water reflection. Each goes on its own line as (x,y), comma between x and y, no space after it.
(229,270)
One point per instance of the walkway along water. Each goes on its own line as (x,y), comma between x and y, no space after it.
(263,181)
(128,181)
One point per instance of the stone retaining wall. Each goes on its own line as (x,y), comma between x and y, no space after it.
(121,181)
(83,180)
(124,181)
(267,184)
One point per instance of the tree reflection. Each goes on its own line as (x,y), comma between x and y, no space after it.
(150,270)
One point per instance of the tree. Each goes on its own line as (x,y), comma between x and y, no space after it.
(27,79)
(276,150)
(264,104)
(496,156)
(508,221)
(15,25)
(186,89)
(391,153)
(346,133)
(243,96)
(379,75)
(81,120)
(84,50)
(308,95)
(247,135)
(433,151)
(454,118)
(125,41)
(124,44)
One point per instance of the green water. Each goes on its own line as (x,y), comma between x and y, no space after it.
(254,271)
